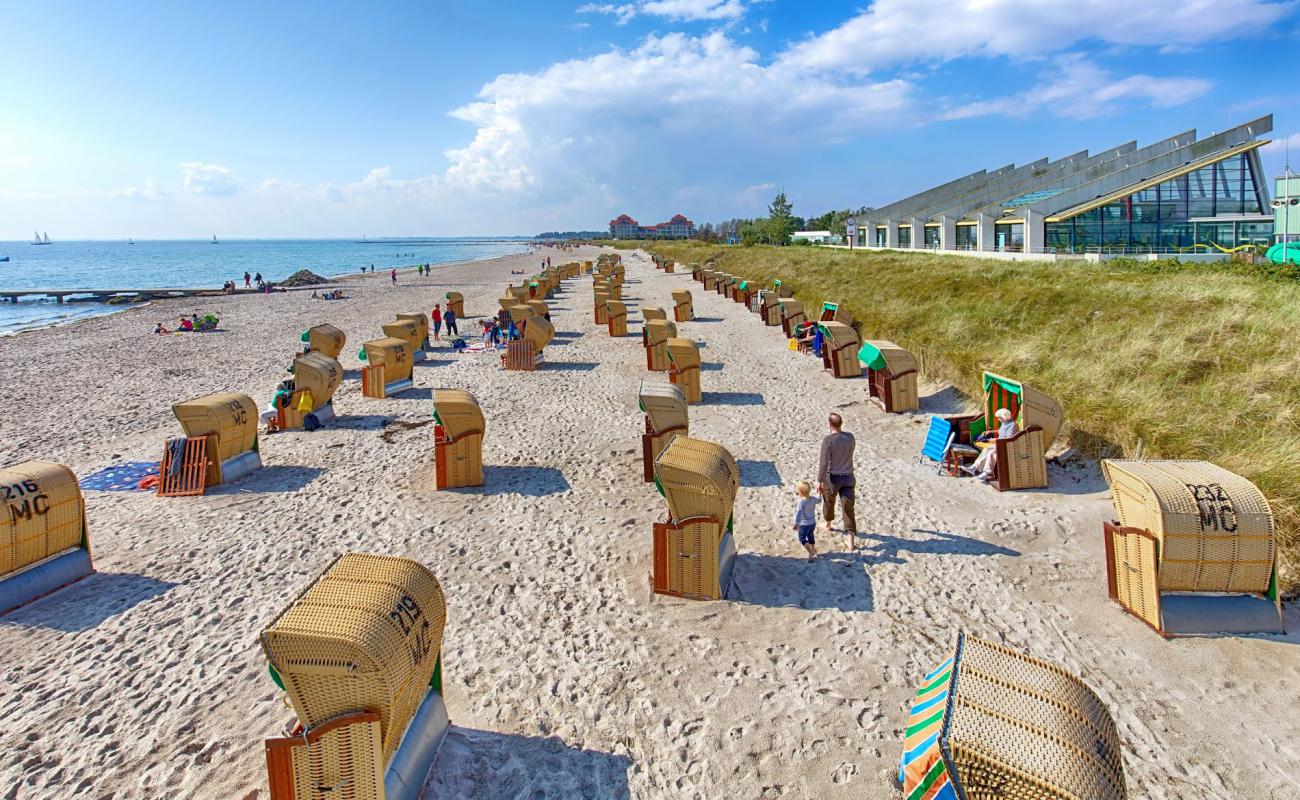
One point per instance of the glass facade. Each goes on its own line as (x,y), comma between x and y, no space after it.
(1161,217)
(931,237)
(880,237)
(1009,236)
(967,236)
(904,236)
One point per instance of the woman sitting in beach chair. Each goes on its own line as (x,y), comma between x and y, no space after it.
(986,466)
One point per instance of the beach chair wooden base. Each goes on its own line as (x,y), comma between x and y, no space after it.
(652,444)
(372,382)
(519,355)
(340,758)
(617,324)
(1022,463)
(688,380)
(894,394)
(656,357)
(190,477)
(683,313)
(692,559)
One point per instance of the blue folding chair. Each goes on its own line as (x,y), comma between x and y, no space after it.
(940,440)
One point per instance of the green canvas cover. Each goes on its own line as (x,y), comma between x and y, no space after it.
(871,356)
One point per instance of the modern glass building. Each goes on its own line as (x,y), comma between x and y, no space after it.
(1180,195)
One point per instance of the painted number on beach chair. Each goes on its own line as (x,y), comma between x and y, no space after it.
(25,501)
(1214,506)
(410,619)
(237,410)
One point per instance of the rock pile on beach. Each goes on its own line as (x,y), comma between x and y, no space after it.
(304,277)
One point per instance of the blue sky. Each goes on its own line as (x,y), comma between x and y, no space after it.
(179,120)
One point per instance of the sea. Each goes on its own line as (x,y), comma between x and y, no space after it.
(182,264)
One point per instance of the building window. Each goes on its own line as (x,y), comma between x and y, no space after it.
(1009,236)
(931,238)
(881,237)
(966,237)
(904,237)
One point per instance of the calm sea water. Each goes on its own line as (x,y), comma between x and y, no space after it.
(185,264)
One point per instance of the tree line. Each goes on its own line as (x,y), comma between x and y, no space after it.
(778,226)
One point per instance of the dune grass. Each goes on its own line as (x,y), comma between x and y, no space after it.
(1165,360)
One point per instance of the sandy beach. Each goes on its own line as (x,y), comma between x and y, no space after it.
(565,677)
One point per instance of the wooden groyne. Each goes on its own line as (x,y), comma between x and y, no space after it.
(134,295)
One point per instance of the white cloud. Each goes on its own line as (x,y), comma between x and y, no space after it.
(149,190)
(675,10)
(753,196)
(1277,149)
(896,32)
(1077,88)
(208,179)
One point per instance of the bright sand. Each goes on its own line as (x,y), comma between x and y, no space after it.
(565,677)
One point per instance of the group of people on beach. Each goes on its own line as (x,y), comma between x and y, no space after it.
(192,323)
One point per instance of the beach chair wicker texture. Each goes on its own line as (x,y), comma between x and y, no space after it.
(683,307)
(891,375)
(1195,528)
(617,318)
(653,312)
(655,335)
(229,421)
(341,758)
(421,327)
(539,307)
(366,635)
(519,312)
(518,292)
(45,514)
(393,354)
(406,330)
(991,722)
(834,312)
(326,340)
(665,412)
(538,332)
(693,550)
(318,374)
(698,479)
(840,350)
(684,367)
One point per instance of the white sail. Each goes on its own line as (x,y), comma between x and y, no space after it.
(46,239)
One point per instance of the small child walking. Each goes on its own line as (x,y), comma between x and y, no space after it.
(805,517)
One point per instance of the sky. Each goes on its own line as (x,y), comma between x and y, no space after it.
(331,119)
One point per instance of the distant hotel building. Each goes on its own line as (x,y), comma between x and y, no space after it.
(624,227)
(1177,196)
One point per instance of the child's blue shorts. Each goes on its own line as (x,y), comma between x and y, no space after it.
(806,534)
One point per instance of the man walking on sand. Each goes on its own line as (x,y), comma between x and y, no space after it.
(394,277)
(835,477)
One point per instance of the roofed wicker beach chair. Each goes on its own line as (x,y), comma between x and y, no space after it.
(219,446)
(324,339)
(617,319)
(457,439)
(683,308)
(359,656)
(316,377)
(526,352)
(519,293)
(840,350)
(727,285)
(389,367)
(456,303)
(891,374)
(408,331)
(670,266)
(834,312)
(1022,459)
(1194,550)
(792,315)
(44,540)
(684,368)
(742,291)
(782,290)
(519,312)
(601,300)
(654,336)
(540,309)
(653,312)
(710,279)
(693,547)
(992,722)
(665,411)
(421,321)
(769,307)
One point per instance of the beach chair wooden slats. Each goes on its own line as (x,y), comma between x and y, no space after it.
(654,336)
(44,514)
(519,356)
(617,318)
(229,422)
(840,350)
(456,303)
(601,300)
(341,758)
(692,559)
(458,438)
(1194,550)
(991,722)
(184,470)
(1022,461)
(326,340)
(372,381)
(366,635)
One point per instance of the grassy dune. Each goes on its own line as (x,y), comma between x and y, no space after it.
(1181,361)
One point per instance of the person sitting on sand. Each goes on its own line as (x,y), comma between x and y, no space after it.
(185,325)
(805,517)
(160,329)
(986,466)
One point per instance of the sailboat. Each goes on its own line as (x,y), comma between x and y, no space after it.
(214,239)
(129,240)
(36,239)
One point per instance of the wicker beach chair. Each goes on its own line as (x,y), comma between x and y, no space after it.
(617,318)
(834,312)
(769,307)
(991,722)
(782,290)
(519,293)
(1021,460)
(653,312)
(654,336)
(456,303)
(422,328)
(683,309)
(408,331)
(228,423)
(458,438)
(665,412)
(540,309)
(1194,550)
(519,312)
(684,368)
(710,279)
(44,540)
(601,302)
(389,370)
(840,350)
(316,377)
(792,315)
(325,339)
(693,547)
(891,375)
(358,654)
